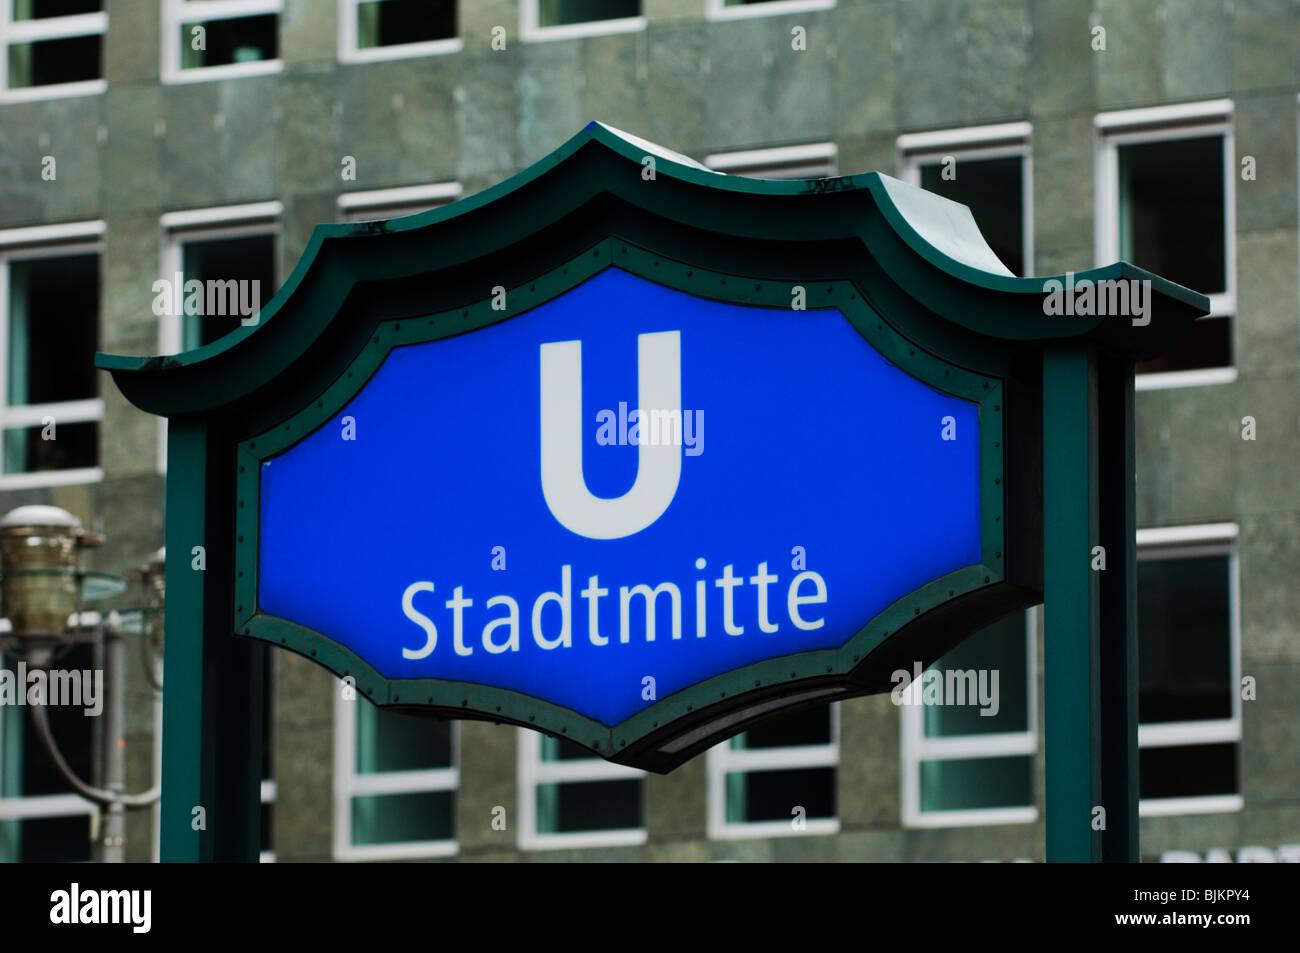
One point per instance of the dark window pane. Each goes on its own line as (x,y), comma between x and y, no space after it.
(394,818)
(561,749)
(45,840)
(576,806)
(70,59)
(993,191)
(963,784)
(1001,648)
(239,40)
(1206,343)
(1171,210)
(53,329)
(1184,639)
(754,796)
(44,9)
(1187,770)
(394,22)
(812,726)
(396,741)
(558,12)
(68,447)
(248,261)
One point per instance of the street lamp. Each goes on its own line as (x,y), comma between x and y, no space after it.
(42,588)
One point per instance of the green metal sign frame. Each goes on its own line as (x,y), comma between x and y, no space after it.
(908,269)
(653,738)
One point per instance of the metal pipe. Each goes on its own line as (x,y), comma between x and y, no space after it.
(113,830)
(89,792)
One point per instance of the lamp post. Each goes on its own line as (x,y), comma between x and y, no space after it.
(42,588)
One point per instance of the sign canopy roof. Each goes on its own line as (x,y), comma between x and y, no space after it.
(950,270)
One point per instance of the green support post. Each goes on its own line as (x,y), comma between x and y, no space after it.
(212,712)
(1071,604)
(1119,671)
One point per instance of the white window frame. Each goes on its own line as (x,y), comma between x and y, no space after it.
(724,760)
(1162,124)
(178,12)
(45,241)
(396,203)
(13,32)
(1001,141)
(718,10)
(809,161)
(915,747)
(349,783)
(1210,539)
(178,228)
(531,31)
(349,52)
(533,771)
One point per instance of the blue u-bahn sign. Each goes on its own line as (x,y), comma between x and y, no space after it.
(620,494)
(643,495)
(638,454)
(636,502)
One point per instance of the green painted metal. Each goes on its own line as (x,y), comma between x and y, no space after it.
(910,271)
(1071,610)
(1117,498)
(212,737)
(183,705)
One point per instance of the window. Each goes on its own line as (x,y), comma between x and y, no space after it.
(212,39)
(988,170)
(49,325)
(395,781)
(571,798)
(51,48)
(233,253)
(562,19)
(1165,203)
(813,161)
(215,247)
(41,818)
(1189,705)
(389,29)
(962,767)
(395,203)
(764,781)
(726,9)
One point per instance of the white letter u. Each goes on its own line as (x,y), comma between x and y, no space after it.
(659,466)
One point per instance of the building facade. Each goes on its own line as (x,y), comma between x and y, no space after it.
(148,141)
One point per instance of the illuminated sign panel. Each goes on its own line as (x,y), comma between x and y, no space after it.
(626,482)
